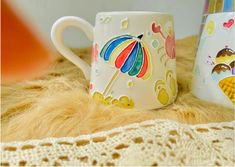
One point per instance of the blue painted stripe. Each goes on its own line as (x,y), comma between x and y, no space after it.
(109,42)
(110,46)
(228,5)
(130,61)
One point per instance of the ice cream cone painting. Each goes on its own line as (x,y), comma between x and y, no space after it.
(227,85)
(223,72)
(214,73)
(225,56)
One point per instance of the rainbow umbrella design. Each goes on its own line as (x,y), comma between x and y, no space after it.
(129,55)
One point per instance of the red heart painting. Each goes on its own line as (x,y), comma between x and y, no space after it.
(156,28)
(229,23)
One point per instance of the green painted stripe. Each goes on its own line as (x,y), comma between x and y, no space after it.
(138,63)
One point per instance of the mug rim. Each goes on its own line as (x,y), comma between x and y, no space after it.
(220,13)
(133,13)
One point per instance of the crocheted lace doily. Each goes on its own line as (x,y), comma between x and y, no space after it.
(158,142)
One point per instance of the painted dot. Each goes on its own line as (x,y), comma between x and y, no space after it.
(97,72)
(130,83)
(154,43)
(210,27)
(124,23)
(148,33)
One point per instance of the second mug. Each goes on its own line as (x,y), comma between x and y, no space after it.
(133,57)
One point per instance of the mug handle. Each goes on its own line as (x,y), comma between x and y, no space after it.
(56,36)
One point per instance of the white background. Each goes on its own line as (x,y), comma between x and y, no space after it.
(43,13)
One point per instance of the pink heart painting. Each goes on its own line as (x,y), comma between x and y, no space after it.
(229,23)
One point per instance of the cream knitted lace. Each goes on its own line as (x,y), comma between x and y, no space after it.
(157,142)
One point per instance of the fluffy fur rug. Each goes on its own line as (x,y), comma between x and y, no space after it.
(57,104)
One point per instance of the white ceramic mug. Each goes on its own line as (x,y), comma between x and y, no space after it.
(133,59)
(214,70)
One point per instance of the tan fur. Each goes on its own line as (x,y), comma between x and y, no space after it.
(57,104)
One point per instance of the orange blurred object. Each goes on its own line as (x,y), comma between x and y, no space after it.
(24,55)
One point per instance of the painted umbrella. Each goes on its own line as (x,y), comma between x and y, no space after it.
(129,55)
